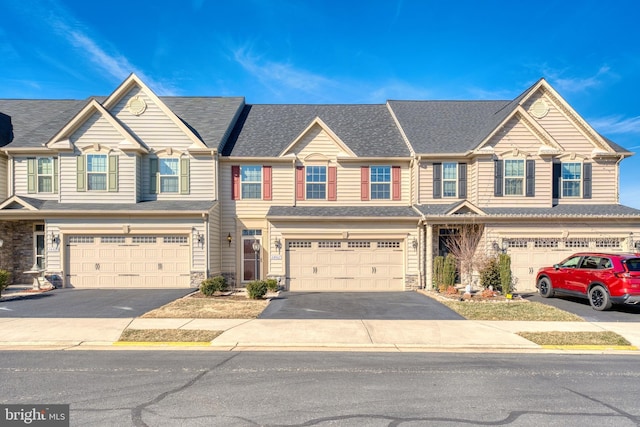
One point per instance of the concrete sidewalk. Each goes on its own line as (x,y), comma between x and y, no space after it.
(279,334)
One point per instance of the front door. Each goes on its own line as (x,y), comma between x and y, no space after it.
(251,257)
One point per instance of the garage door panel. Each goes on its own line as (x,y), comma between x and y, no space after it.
(130,262)
(345,266)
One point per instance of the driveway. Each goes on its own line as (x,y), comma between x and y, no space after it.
(90,303)
(582,308)
(357,305)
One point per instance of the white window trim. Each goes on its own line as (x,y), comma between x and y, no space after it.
(579,180)
(105,173)
(160,175)
(505,177)
(325,182)
(242,181)
(389,183)
(443,180)
(38,175)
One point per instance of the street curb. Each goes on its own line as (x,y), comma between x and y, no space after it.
(590,347)
(163,343)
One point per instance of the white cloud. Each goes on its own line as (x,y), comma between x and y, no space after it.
(578,84)
(616,125)
(281,77)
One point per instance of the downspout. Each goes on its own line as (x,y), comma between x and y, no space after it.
(10,167)
(214,153)
(417,178)
(293,163)
(618,178)
(207,246)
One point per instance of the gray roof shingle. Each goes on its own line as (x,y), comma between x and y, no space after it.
(343,211)
(266,130)
(35,122)
(590,210)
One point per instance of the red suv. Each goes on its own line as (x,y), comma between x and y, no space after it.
(604,279)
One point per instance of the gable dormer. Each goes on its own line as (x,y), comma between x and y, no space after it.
(317,139)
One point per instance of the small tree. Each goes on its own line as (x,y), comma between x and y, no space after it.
(438,270)
(505,273)
(463,245)
(490,275)
(449,271)
(4,280)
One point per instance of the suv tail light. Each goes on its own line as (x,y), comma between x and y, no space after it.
(622,274)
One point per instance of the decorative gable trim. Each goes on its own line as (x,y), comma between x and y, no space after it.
(317,121)
(531,124)
(15,202)
(61,140)
(465,208)
(133,81)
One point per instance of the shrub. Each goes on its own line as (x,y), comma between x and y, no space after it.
(213,284)
(449,271)
(272,285)
(4,280)
(490,275)
(438,267)
(505,273)
(256,289)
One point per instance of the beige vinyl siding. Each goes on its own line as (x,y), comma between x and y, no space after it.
(4,189)
(198,251)
(201,180)
(126,183)
(426,182)
(20,177)
(473,183)
(53,251)
(215,241)
(153,126)
(316,141)
(96,130)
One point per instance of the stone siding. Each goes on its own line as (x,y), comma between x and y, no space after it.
(17,254)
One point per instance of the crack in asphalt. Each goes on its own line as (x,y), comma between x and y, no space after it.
(136,413)
(613,408)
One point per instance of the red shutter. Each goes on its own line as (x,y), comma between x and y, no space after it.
(332,183)
(299,182)
(266,183)
(364,183)
(235,182)
(395,179)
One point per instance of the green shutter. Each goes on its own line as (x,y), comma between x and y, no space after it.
(184,176)
(55,174)
(153,176)
(113,173)
(32,177)
(81,177)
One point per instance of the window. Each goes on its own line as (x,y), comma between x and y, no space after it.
(380,182)
(514,177)
(571,179)
(449,179)
(316,179)
(97,172)
(45,175)
(251,182)
(169,175)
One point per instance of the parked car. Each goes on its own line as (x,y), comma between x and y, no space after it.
(603,278)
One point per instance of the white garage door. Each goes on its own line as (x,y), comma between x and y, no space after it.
(129,261)
(529,254)
(340,265)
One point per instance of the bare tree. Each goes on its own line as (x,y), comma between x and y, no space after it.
(463,245)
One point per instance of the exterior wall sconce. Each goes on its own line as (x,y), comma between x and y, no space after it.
(229,239)
(199,238)
(55,239)
(414,244)
(496,247)
(278,244)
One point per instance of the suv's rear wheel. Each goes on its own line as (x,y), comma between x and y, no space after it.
(599,298)
(544,287)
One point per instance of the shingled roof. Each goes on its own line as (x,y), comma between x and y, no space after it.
(36,121)
(266,130)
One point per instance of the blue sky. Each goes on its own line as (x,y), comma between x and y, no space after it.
(336,51)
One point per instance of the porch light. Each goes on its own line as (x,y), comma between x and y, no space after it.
(631,243)
(55,238)
(414,244)
(278,244)
(200,238)
(229,239)
(256,249)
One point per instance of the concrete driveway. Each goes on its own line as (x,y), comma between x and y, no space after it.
(582,308)
(357,305)
(90,303)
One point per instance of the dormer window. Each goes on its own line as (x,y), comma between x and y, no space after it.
(316,182)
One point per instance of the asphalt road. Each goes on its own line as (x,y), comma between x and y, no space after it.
(320,389)
(357,305)
(90,303)
(582,308)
